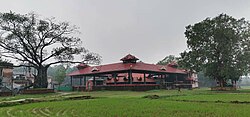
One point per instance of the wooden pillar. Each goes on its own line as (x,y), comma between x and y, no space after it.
(81,81)
(114,77)
(176,77)
(130,77)
(85,80)
(165,78)
(144,77)
(176,81)
(71,82)
(94,83)
(161,81)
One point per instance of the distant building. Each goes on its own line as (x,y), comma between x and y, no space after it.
(6,73)
(25,78)
(193,78)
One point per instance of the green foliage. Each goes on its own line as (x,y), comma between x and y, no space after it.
(205,81)
(218,46)
(167,60)
(71,69)
(54,70)
(60,74)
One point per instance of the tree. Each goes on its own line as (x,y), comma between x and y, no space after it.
(167,60)
(219,47)
(5,63)
(60,74)
(41,43)
(205,81)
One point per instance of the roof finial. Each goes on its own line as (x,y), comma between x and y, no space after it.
(129,59)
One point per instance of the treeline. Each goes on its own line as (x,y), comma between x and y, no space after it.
(53,72)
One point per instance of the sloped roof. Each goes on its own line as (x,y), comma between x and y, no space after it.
(129,57)
(140,66)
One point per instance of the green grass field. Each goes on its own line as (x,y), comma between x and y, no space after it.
(171,103)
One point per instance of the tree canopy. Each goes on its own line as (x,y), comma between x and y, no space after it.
(218,46)
(41,43)
(168,59)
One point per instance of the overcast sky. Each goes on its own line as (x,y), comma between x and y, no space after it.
(148,29)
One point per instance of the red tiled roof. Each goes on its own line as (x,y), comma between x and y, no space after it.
(127,66)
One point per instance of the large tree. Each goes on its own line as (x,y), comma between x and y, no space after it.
(40,43)
(218,46)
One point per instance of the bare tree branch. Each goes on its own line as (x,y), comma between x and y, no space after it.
(37,41)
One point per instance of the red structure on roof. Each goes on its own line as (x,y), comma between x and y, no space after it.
(133,69)
(82,66)
(129,59)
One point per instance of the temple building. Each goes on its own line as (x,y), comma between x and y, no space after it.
(131,75)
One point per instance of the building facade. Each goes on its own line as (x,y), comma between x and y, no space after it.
(130,75)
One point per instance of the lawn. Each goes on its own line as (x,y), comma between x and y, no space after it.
(195,103)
